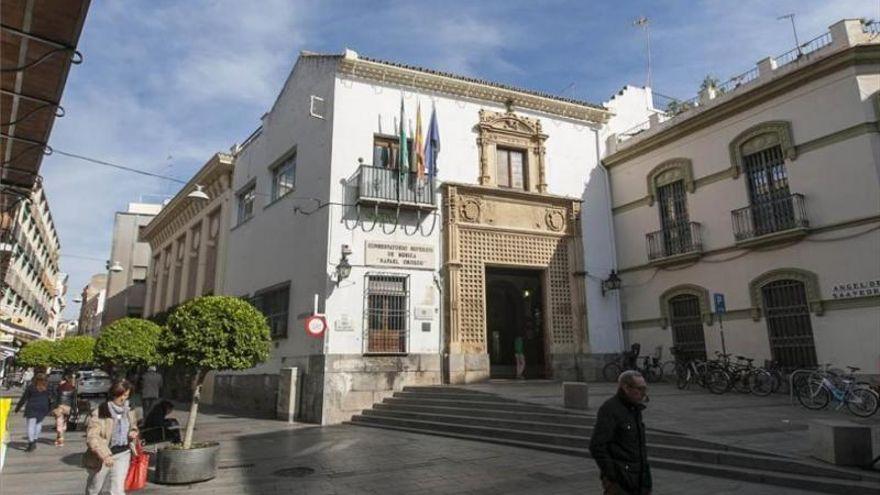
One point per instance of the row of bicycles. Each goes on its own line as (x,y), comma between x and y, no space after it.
(814,387)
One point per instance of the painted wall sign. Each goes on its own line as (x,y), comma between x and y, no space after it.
(856,289)
(390,254)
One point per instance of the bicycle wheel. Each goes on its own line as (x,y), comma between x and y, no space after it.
(813,394)
(862,402)
(682,377)
(762,383)
(611,371)
(718,381)
(741,382)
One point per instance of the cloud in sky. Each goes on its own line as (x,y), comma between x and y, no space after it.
(166,84)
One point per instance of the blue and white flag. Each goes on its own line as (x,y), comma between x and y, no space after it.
(432,145)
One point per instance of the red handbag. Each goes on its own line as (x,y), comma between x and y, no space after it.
(136,478)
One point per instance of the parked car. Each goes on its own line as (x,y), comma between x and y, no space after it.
(93,382)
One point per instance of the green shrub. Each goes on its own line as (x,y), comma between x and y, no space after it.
(129,343)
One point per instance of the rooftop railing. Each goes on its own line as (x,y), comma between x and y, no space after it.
(811,46)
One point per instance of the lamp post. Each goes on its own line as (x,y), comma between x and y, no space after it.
(611,283)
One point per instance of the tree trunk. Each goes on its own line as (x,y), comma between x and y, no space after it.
(193,409)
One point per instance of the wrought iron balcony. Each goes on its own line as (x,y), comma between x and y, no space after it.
(677,242)
(380,185)
(785,216)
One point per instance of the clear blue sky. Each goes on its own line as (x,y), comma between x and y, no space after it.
(165,84)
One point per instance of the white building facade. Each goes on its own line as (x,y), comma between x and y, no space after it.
(765,191)
(444,272)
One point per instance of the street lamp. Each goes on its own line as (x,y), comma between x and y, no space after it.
(198,193)
(115,267)
(343,269)
(611,283)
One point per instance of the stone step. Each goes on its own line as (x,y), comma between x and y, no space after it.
(433,389)
(416,395)
(540,426)
(814,483)
(676,452)
(473,404)
(550,416)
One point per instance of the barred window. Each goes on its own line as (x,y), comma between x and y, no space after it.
(274,303)
(246,200)
(387,314)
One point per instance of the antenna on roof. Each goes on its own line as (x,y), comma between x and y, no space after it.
(793,30)
(644,23)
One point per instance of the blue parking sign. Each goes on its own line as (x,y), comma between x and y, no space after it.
(720,308)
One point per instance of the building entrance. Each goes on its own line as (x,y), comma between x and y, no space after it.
(514,307)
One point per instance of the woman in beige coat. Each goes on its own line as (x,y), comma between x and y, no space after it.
(111,428)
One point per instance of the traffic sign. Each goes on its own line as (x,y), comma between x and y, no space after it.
(316,325)
(720,308)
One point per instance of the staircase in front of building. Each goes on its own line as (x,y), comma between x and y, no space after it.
(484,417)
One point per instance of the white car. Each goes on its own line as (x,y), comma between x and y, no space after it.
(94,382)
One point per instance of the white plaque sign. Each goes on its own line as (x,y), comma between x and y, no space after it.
(391,254)
(856,289)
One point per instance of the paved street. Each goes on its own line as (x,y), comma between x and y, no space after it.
(262,456)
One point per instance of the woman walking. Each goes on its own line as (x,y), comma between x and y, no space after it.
(36,403)
(111,429)
(65,400)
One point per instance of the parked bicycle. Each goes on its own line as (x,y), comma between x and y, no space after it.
(821,386)
(629,360)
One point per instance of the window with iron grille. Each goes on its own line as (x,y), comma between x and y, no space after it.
(788,324)
(387,314)
(674,220)
(770,198)
(274,303)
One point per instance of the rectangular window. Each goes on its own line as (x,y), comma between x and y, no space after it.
(274,304)
(510,168)
(387,314)
(246,200)
(284,177)
(386,150)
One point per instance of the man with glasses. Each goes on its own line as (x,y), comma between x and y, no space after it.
(618,440)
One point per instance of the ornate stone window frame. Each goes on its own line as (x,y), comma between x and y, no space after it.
(668,172)
(701,293)
(508,130)
(760,137)
(806,277)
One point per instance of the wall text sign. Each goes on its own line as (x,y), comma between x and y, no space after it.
(390,254)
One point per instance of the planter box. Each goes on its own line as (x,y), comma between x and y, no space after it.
(178,466)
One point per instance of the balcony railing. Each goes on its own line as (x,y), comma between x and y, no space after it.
(386,185)
(768,217)
(675,240)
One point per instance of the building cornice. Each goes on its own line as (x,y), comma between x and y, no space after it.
(514,194)
(360,68)
(864,54)
(181,209)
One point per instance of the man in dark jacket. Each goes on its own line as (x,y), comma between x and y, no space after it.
(618,440)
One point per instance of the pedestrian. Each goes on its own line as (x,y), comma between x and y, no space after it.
(158,427)
(37,404)
(26,377)
(151,382)
(520,354)
(618,440)
(65,401)
(111,429)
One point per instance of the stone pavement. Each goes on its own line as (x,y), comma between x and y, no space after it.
(260,456)
(776,423)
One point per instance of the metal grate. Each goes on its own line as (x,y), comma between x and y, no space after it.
(379,184)
(387,314)
(687,327)
(788,324)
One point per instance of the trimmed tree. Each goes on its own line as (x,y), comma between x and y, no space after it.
(73,351)
(129,343)
(214,333)
(36,354)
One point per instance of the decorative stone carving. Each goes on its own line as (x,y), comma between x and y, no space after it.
(511,130)
(555,220)
(686,289)
(470,210)
(760,137)
(669,172)
(808,278)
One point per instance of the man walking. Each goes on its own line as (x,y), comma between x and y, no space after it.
(151,382)
(618,441)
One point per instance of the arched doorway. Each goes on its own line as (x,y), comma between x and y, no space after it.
(788,323)
(688,336)
(514,308)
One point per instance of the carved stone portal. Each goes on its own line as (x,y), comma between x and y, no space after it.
(513,131)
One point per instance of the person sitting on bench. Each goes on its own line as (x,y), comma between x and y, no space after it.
(158,427)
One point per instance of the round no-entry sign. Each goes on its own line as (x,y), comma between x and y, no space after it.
(315,325)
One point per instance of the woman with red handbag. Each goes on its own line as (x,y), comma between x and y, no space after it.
(111,428)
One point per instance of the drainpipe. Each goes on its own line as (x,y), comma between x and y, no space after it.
(444,354)
(614,294)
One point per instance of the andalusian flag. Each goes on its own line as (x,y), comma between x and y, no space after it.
(403,152)
(419,162)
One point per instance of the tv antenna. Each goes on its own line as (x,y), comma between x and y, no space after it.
(644,23)
(793,30)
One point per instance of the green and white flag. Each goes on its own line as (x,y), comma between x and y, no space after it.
(403,152)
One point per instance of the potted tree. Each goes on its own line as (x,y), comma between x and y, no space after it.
(36,354)
(205,334)
(73,351)
(129,343)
